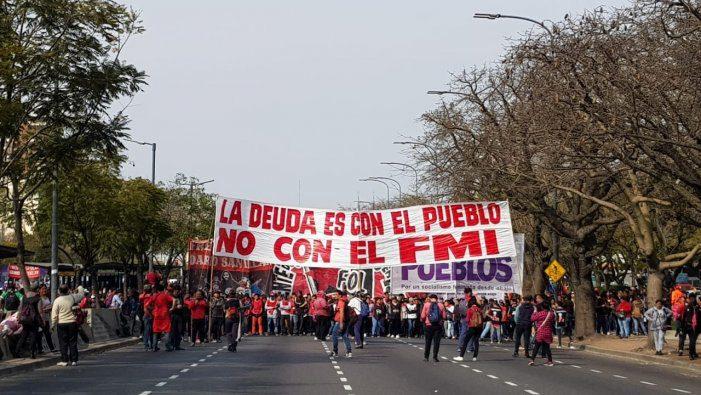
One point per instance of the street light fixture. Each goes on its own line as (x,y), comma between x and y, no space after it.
(399,186)
(376,180)
(153,158)
(416,173)
(482,15)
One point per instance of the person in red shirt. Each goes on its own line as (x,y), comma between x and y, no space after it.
(153,278)
(257,315)
(623,310)
(474,319)
(341,323)
(198,310)
(162,306)
(320,312)
(145,300)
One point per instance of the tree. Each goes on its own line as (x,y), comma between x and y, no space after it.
(60,72)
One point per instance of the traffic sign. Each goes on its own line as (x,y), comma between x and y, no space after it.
(555,271)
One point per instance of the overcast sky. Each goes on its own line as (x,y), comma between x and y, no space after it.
(260,95)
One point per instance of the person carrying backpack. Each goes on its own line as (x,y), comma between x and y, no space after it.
(30,318)
(342,319)
(11,298)
(432,315)
(233,318)
(356,304)
(474,320)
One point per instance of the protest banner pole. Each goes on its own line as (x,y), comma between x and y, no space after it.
(211,276)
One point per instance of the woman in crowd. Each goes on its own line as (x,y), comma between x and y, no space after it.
(543,322)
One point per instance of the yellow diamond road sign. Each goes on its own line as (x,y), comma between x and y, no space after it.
(555,271)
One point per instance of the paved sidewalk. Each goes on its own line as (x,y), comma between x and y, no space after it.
(636,348)
(16,365)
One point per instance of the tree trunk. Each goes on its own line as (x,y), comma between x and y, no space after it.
(140,272)
(584,311)
(654,292)
(17,206)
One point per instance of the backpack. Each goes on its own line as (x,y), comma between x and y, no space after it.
(434,314)
(475,319)
(27,314)
(364,309)
(350,314)
(12,302)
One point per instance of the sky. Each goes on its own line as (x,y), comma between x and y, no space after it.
(267,96)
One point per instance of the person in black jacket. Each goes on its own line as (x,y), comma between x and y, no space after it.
(522,317)
(31,321)
(691,316)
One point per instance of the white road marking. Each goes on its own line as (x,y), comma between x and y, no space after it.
(647,383)
(334,362)
(476,370)
(193,365)
(348,387)
(145,393)
(453,362)
(173,377)
(202,360)
(421,348)
(184,370)
(620,377)
(337,367)
(444,357)
(682,391)
(216,352)
(491,376)
(531,392)
(595,371)
(343,379)
(339,372)
(209,356)
(576,366)
(161,384)
(511,384)
(464,366)
(558,361)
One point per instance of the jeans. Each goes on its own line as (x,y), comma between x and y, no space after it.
(639,326)
(658,336)
(472,333)
(46,328)
(273,327)
(487,329)
(336,331)
(377,326)
(462,338)
(411,323)
(148,332)
(68,341)
(495,330)
(295,324)
(433,335)
(448,327)
(358,331)
(546,348)
(525,332)
(285,327)
(624,327)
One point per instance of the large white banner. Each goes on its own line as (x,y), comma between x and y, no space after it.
(350,239)
(489,278)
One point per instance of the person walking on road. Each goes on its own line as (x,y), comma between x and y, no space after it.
(177,321)
(198,312)
(257,315)
(233,318)
(432,315)
(657,317)
(321,315)
(474,319)
(356,303)
(522,318)
(163,304)
(543,321)
(63,319)
(146,305)
(690,326)
(340,325)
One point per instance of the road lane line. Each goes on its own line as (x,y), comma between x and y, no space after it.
(491,376)
(476,371)
(510,383)
(343,379)
(595,371)
(216,352)
(173,377)
(682,391)
(444,357)
(647,383)
(619,377)
(558,361)
(339,372)
(531,392)
(209,356)
(145,393)
(337,367)
(464,366)
(193,365)
(161,384)
(576,366)
(202,360)
(334,362)
(348,387)
(184,370)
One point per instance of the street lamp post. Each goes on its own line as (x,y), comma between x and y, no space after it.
(153,180)
(376,180)
(416,173)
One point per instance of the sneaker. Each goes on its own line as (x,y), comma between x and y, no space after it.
(349,355)
(74,363)
(192,345)
(474,359)
(316,338)
(531,363)
(334,354)
(572,347)
(559,346)
(459,359)
(62,364)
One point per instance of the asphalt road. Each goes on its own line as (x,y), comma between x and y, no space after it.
(301,365)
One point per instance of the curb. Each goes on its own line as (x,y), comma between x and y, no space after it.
(648,359)
(53,360)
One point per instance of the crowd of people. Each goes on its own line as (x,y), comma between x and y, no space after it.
(165,317)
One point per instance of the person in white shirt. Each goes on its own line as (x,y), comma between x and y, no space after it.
(356,304)
(117,300)
(411,316)
(64,320)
